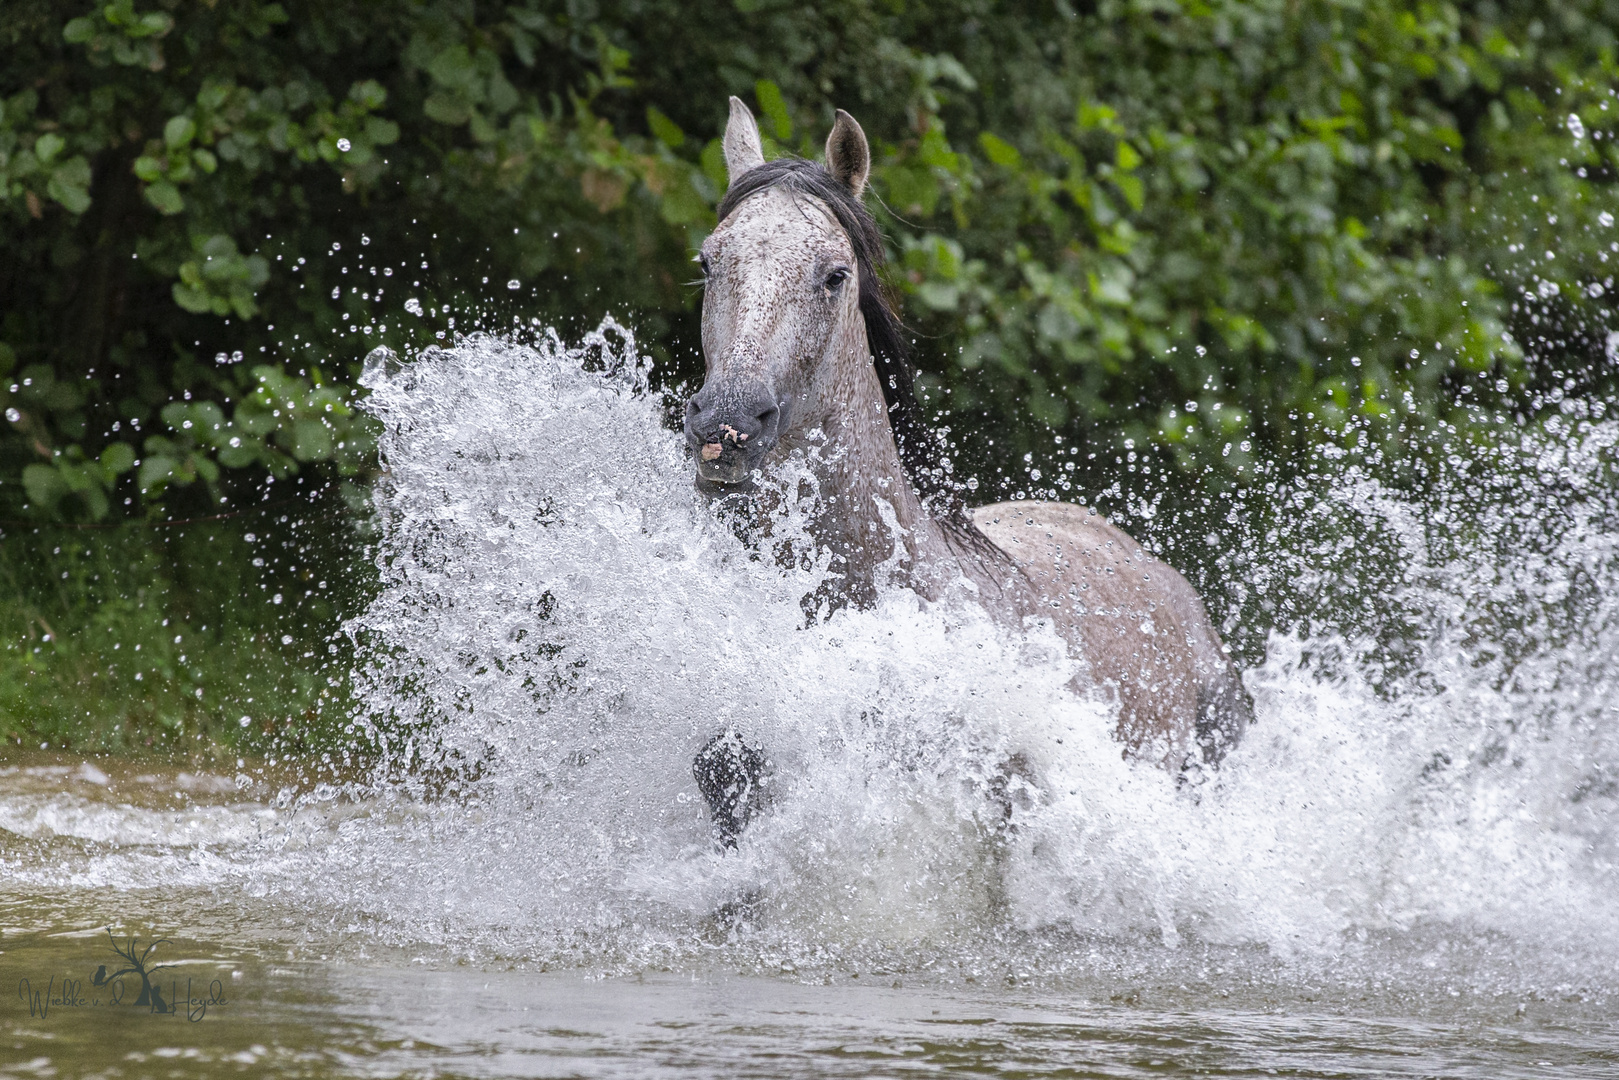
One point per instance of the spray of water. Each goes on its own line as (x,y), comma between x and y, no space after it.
(1434,770)
(565,622)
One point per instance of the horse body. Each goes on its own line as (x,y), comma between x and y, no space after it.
(1139,625)
(805,357)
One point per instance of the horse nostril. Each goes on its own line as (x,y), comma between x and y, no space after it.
(768,417)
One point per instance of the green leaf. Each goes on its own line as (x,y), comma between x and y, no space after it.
(368,94)
(95,502)
(78,31)
(118,458)
(665,129)
(447,108)
(195,300)
(1132,189)
(775,107)
(47,146)
(152,24)
(311,440)
(254,418)
(69,185)
(166,197)
(713,161)
(939,295)
(155,473)
(1000,151)
(179,131)
(523,46)
(680,202)
(454,69)
(44,485)
(381,132)
(244,452)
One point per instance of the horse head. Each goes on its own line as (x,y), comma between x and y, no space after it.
(784,274)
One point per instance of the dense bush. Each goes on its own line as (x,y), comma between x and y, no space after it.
(1222,226)
(181,637)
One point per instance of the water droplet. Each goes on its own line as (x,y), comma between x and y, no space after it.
(1606,219)
(514,284)
(343,145)
(244,721)
(13,415)
(414,306)
(277,598)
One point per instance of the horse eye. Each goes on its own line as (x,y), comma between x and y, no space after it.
(836,278)
(702,264)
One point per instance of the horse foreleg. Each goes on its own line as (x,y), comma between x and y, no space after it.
(733,778)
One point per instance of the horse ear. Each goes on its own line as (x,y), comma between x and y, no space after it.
(848,157)
(743,151)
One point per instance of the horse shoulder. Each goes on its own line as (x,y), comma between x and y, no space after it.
(1068,550)
(1141,627)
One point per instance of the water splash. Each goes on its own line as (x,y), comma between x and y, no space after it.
(1430,787)
(565,623)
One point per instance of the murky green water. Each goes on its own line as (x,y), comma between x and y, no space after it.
(384,1018)
(263,986)
(328,1018)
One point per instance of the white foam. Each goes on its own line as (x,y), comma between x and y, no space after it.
(564,622)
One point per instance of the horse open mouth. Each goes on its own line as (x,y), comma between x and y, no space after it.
(723,465)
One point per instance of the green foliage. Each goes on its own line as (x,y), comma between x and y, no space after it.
(1223,227)
(163,639)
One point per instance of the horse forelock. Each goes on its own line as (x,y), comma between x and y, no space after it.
(920,451)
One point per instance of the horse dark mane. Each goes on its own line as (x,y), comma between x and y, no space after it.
(920,450)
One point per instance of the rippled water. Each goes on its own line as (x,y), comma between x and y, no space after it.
(1407,869)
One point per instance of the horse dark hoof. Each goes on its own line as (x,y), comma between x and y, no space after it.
(733,778)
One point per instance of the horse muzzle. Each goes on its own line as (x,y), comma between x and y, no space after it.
(730,430)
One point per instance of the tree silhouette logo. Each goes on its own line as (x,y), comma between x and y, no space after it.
(64,992)
(138,965)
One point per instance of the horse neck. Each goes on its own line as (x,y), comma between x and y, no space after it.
(870,515)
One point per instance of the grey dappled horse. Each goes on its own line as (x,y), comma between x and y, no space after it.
(802,349)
